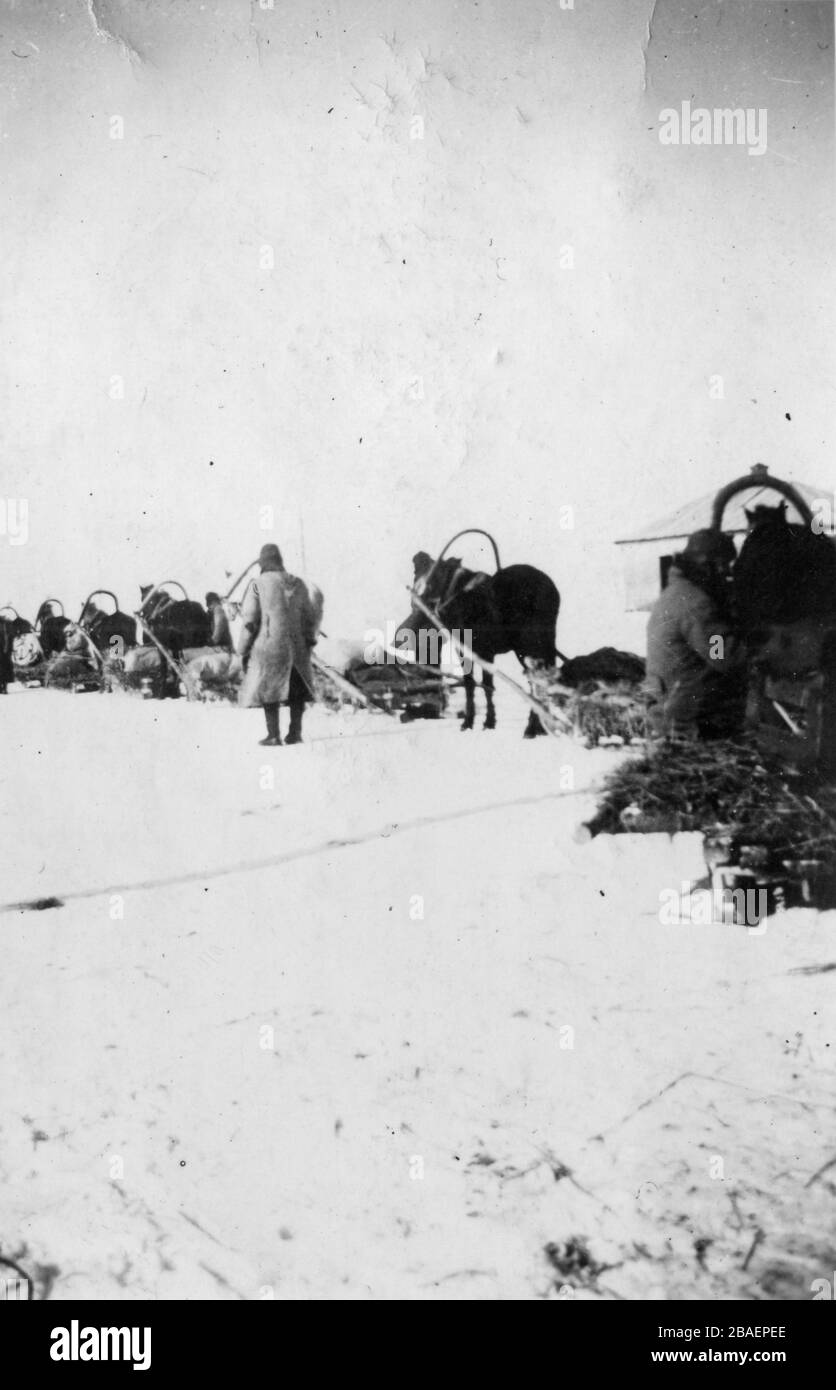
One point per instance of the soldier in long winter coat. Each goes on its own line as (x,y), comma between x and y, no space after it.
(281,617)
(220,635)
(695,664)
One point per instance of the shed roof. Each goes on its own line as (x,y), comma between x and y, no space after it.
(695,515)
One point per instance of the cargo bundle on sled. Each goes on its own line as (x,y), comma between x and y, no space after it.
(93,649)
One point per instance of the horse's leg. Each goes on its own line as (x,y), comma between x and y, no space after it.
(534,727)
(469,701)
(490,712)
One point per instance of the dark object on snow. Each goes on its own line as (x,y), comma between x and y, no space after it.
(604,664)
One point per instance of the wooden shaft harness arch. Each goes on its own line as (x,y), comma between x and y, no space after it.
(759,476)
(158,589)
(468,531)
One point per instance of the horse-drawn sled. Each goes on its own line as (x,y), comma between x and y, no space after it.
(107,648)
(515,609)
(31,645)
(89,655)
(379,678)
(784,595)
(764,796)
(410,691)
(24,658)
(174,651)
(152,650)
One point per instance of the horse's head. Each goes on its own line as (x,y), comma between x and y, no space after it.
(435,584)
(154,602)
(422,563)
(90,614)
(762,515)
(436,587)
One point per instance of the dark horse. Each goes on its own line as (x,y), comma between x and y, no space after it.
(785,573)
(10,628)
(514,610)
(51,627)
(112,633)
(7,637)
(176,623)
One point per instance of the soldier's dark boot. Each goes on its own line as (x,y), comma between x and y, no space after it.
(271,716)
(294,733)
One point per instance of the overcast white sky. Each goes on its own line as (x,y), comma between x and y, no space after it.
(416,360)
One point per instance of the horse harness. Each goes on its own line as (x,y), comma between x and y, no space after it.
(455,587)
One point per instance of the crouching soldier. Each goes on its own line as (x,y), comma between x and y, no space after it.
(695,682)
(281,617)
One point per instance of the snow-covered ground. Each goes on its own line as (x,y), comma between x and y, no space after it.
(360,1019)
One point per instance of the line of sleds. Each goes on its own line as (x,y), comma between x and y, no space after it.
(162,649)
(35,644)
(114,650)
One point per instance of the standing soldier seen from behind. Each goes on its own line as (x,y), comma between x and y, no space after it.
(281,617)
(695,664)
(220,635)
